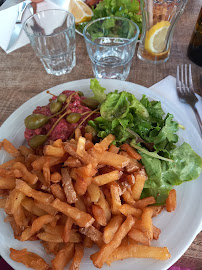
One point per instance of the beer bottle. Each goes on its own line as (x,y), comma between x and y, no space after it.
(195,45)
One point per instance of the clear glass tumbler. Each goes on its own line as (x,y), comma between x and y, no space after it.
(159,20)
(110,43)
(52,36)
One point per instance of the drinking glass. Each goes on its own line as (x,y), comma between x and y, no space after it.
(52,36)
(110,43)
(159,20)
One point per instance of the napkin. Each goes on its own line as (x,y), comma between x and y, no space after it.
(8,18)
(167,89)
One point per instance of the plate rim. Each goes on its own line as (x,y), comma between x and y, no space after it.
(142,88)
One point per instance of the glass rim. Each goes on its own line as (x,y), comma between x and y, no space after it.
(43,11)
(119,18)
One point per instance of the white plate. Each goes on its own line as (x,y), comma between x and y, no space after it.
(178,229)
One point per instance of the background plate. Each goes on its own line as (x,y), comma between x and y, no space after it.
(178,229)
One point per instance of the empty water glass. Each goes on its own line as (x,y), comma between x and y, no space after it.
(52,36)
(110,43)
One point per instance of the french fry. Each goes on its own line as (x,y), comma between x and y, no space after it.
(116,201)
(81,218)
(104,205)
(47,208)
(30,192)
(131,151)
(25,151)
(67,229)
(10,148)
(48,237)
(29,259)
(107,177)
(128,198)
(88,145)
(58,143)
(7,183)
(39,162)
(63,257)
(80,204)
(68,186)
(2,203)
(139,237)
(102,255)
(146,222)
(94,192)
(138,251)
(40,222)
(46,173)
(81,184)
(171,201)
(111,228)
(156,209)
(108,158)
(104,144)
(31,207)
(11,162)
(77,134)
(56,177)
(89,137)
(140,178)
(114,149)
(20,217)
(58,192)
(88,243)
(52,247)
(145,202)
(26,175)
(99,215)
(127,210)
(13,201)
(79,251)
(156,232)
(50,150)
(72,162)
(94,234)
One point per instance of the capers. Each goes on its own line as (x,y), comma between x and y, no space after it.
(80,94)
(73,117)
(34,121)
(61,98)
(89,129)
(37,140)
(90,103)
(55,106)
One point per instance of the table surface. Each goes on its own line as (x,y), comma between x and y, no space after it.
(22,76)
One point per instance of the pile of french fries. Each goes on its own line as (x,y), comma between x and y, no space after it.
(77,194)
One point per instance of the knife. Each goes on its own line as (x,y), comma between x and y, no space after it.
(18,25)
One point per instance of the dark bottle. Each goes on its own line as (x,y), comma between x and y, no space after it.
(195,45)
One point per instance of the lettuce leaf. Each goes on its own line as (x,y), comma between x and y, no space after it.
(162,175)
(98,90)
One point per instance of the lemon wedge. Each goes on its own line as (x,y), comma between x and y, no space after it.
(156,37)
(81,11)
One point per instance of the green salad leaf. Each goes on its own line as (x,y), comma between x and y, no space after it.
(98,90)
(144,125)
(121,8)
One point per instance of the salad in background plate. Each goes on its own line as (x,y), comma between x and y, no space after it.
(120,8)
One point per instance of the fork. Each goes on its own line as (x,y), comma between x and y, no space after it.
(185,90)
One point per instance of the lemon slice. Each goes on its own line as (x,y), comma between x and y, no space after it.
(80,10)
(156,37)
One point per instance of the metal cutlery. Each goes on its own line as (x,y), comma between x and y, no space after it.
(18,25)
(33,9)
(185,90)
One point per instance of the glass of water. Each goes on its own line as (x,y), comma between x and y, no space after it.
(52,36)
(111,43)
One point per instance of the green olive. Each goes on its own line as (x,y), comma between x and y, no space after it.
(73,117)
(89,129)
(34,121)
(55,106)
(80,93)
(37,140)
(61,98)
(90,103)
